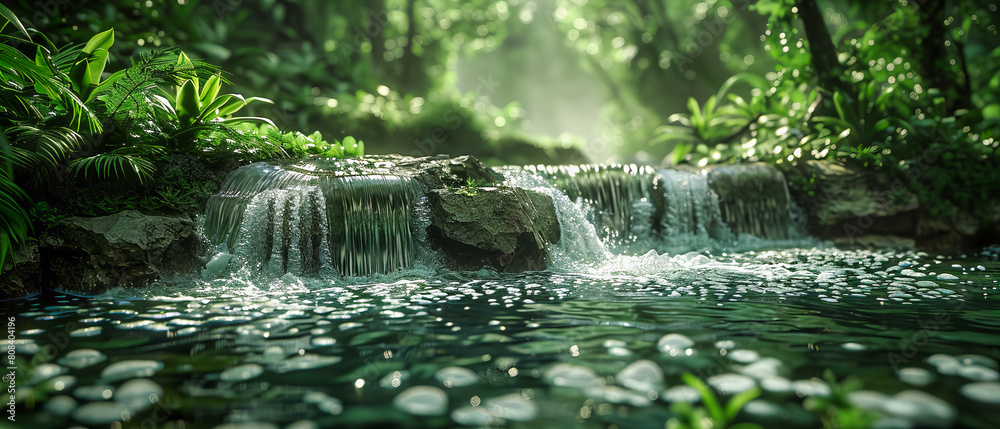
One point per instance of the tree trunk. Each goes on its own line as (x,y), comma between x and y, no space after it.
(824,53)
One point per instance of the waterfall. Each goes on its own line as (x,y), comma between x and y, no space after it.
(610,190)
(753,199)
(630,209)
(683,203)
(298,218)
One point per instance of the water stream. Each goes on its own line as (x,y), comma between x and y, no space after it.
(324,307)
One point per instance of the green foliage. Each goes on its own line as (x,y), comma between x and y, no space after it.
(837,410)
(298,145)
(471,187)
(713,124)
(15,225)
(711,414)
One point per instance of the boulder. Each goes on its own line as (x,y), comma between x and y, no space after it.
(438,172)
(508,229)
(863,208)
(92,255)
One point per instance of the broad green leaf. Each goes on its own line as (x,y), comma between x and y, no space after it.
(210,111)
(211,89)
(102,40)
(187,103)
(80,77)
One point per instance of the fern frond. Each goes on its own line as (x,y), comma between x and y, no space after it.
(121,163)
(140,87)
(39,151)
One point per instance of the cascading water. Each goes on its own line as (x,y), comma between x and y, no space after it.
(297,218)
(611,189)
(753,199)
(359,219)
(636,209)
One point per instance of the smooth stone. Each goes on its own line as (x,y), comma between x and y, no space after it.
(513,407)
(682,394)
(674,344)
(731,384)
(971,359)
(777,384)
(97,392)
(472,416)
(618,395)
(983,391)
(82,358)
(743,356)
(978,373)
(44,372)
(454,376)
(102,413)
(138,394)
(947,277)
(422,401)
(568,375)
(765,368)
(61,405)
(130,369)
(920,407)
(641,375)
(242,372)
(324,402)
(867,399)
(916,376)
(811,388)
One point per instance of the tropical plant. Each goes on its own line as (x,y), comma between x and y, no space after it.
(705,127)
(15,225)
(711,414)
(836,410)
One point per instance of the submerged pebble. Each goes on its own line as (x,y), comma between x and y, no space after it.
(731,384)
(82,358)
(242,372)
(139,394)
(568,375)
(641,375)
(61,405)
(983,391)
(422,401)
(454,376)
(130,369)
(674,344)
(916,376)
(101,413)
(920,407)
(513,407)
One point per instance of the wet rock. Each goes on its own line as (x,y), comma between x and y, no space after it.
(123,249)
(508,229)
(856,207)
(439,172)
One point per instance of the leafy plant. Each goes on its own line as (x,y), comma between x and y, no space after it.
(711,414)
(200,108)
(705,127)
(471,187)
(836,410)
(15,225)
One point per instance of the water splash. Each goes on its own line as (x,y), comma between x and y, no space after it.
(611,191)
